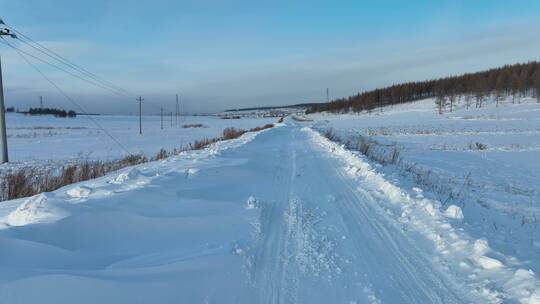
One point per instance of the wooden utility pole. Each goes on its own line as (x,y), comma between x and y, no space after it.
(41,102)
(327,95)
(177,110)
(171,120)
(161,118)
(140,100)
(3,134)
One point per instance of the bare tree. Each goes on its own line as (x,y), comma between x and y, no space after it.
(467,100)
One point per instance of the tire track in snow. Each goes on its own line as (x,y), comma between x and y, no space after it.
(295,260)
(274,282)
(391,249)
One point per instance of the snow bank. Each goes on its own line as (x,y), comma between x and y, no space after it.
(35,209)
(50,207)
(79,192)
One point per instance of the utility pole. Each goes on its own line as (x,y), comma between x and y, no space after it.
(161,118)
(327,95)
(171,120)
(140,100)
(3,134)
(177,110)
(41,102)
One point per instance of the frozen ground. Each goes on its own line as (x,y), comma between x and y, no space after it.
(283,216)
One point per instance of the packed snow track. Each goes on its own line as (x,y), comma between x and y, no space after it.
(273,217)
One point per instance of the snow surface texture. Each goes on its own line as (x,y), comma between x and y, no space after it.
(283,216)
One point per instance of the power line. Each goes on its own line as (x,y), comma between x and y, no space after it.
(60,68)
(94,78)
(72,74)
(82,72)
(67,96)
(69,67)
(54,55)
(102,83)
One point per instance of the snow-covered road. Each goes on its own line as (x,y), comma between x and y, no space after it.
(279,217)
(323,242)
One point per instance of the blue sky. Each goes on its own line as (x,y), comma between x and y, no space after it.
(224,54)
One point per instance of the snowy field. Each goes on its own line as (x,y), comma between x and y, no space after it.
(50,138)
(286,216)
(486,161)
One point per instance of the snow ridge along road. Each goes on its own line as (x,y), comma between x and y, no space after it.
(283,216)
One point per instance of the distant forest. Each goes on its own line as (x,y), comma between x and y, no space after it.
(51,111)
(517,81)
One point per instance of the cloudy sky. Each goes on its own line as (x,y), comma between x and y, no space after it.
(229,54)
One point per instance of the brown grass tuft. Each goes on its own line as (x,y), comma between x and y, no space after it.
(232,133)
(330,134)
(162,154)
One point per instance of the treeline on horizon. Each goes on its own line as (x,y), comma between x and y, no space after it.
(518,81)
(51,111)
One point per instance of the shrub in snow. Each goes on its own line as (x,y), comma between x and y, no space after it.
(162,154)
(231,133)
(477,146)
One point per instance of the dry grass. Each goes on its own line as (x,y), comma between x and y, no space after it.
(16,185)
(232,133)
(257,129)
(330,135)
(162,154)
(203,143)
(26,182)
(448,189)
(133,159)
